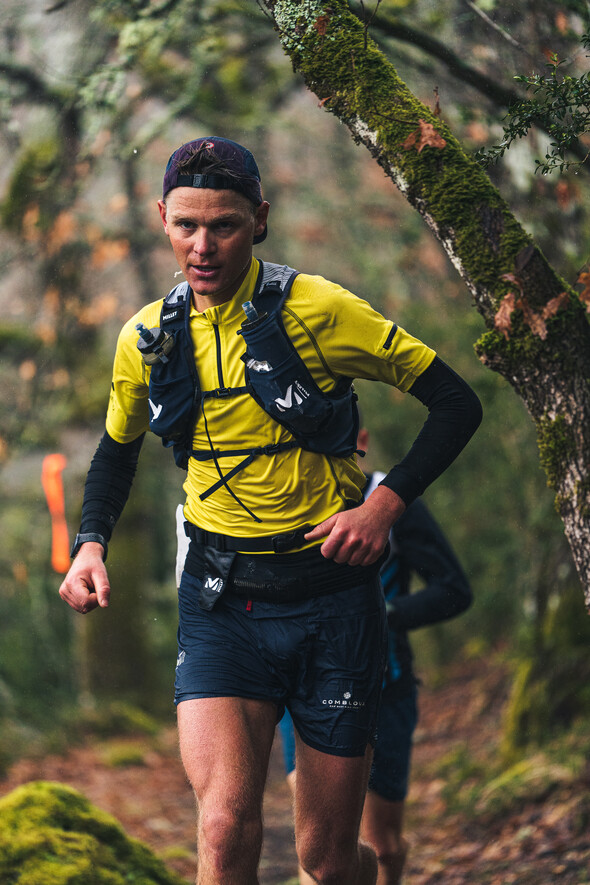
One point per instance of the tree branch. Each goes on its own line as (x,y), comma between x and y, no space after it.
(501,96)
(34,87)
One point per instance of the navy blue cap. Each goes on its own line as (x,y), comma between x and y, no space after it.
(235,158)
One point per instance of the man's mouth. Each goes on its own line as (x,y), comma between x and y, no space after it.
(205,270)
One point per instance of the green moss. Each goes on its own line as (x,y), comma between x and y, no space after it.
(18,342)
(521,349)
(556,447)
(551,690)
(524,348)
(122,755)
(528,780)
(116,718)
(51,835)
(31,183)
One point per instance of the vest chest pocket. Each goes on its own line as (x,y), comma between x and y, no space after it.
(281,383)
(171,397)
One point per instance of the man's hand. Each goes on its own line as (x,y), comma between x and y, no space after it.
(359,536)
(86,585)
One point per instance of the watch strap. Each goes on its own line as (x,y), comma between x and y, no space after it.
(84,538)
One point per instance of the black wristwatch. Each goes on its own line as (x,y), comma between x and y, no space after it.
(89,536)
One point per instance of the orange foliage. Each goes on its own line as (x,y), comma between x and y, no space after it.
(30,220)
(535,321)
(51,481)
(102,308)
(61,233)
(109,252)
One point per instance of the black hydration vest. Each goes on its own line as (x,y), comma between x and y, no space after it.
(274,375)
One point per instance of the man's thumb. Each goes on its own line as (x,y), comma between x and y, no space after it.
(103,594)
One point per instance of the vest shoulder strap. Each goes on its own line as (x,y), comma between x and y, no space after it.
(273,285)
(174,307)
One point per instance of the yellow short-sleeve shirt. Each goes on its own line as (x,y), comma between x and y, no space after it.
(337,335)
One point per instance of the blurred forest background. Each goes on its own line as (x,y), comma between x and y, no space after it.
(93,99)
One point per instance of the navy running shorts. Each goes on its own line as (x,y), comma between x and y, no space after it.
(322,657)
(391,761)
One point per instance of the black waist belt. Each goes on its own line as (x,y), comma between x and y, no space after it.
(290,591)
(281,582)
(274,544)
(292,577)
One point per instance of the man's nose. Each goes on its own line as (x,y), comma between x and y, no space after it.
(203,241)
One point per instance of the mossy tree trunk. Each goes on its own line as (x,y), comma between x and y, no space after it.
(538,335)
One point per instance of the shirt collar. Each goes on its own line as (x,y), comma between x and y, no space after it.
(231,310)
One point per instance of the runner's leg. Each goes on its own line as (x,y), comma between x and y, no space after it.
(329,794)
(381,827)
(225,746)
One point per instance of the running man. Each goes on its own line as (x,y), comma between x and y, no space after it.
(280,602)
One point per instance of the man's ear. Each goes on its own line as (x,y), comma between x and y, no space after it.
(362,440)
(162,210)
(261,218)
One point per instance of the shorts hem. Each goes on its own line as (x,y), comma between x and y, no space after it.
(392,796)
(202,695)
(351,753)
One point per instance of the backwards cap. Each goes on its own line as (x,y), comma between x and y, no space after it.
(236,159)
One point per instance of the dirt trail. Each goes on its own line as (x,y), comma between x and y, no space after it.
(542,842)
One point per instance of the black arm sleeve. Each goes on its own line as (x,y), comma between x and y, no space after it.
(454,416)
(425,550)
(108,484)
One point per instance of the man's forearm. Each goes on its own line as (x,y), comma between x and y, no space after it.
(108,484)
(454,416)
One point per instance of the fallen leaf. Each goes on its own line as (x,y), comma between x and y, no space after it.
(411,140)
(534,321)
(555,304)
(502,319)
(512,278)
(584,280)
(321,25)
(425,136)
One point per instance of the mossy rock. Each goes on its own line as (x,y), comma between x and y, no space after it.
(52,835)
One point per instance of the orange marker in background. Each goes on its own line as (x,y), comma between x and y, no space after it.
(51,481)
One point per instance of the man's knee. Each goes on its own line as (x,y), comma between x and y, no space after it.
(226,835)
(341,865)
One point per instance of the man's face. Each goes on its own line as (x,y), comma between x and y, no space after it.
(211,234)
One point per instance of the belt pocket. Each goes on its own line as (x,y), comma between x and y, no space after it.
(217,566)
